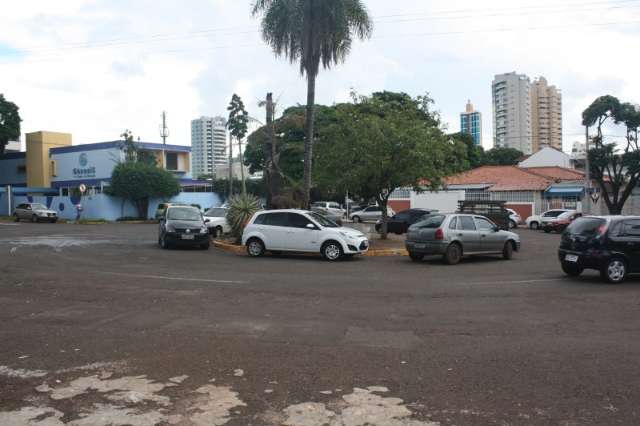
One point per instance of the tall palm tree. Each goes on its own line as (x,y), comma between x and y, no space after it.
(314,33)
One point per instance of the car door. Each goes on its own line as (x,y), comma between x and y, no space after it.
(467,234)
(631,230)
(274,228)
(372,213)
(299,236)
(398,223)
(488,239)
(25,211)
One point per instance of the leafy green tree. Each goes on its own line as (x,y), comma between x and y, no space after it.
(377,145)
(615,167)
(237,125)
(241,209)
(313,33)
(502,156)
(475,153)
(141,182)
(9,122)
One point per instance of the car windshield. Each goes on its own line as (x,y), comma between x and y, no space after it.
(565,215)
(323,221)
(586,226)
(184,213)
(433,221)
(37,206)
(216,212)
(554,213)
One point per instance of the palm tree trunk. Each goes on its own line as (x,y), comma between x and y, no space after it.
(309,136)
(244,185)
(230,166)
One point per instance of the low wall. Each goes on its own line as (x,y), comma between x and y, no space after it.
(102,206)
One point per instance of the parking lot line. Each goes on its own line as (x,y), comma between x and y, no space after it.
(163,277)
(520,282)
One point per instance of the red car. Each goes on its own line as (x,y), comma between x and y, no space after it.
(560,223)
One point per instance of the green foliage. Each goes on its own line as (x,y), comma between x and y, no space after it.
(615,167)
(502,156)
(385,142)
(221,187)
(238,118)
(9,122)
(140,182)
(241,209)
(475,153)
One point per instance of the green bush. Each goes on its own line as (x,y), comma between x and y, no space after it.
(241,209)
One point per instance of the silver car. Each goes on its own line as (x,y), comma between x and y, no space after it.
(328,209)
(456,235)
(35,212)
(370,214)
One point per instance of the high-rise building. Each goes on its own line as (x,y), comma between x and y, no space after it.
(209,145)
(546,115)
(471,123)
(511,98)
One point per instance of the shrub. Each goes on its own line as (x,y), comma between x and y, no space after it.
(241,209)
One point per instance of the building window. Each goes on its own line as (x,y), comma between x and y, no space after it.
(172,161)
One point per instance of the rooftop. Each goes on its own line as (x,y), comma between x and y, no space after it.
(513,178)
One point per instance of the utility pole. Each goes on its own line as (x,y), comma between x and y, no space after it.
(164,134)
(271,169)
(586,204)
(230,165)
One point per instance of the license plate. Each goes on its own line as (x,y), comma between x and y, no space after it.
(188,237)
(571,258)
(419,246)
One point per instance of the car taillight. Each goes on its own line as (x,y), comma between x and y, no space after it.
(439,234)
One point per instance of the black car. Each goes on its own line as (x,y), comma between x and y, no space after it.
(400,222)
(183,226)
(609,244)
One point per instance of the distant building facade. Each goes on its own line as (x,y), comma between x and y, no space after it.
(546,115)
(209,143)
(12,146)
(471,123)
(511,98)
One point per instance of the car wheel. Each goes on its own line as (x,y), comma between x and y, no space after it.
(571,269)
(163,243)
(331,251)
(547,230)
(16,217)
(512,224)
(615,271)
(34,218)
(255,247)
(534,226)
(416,257)
(453,254)
(507,251)
(219,232)
(204,246)
(357,219)
(54,220)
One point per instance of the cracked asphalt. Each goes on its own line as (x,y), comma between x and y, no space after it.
(100,326)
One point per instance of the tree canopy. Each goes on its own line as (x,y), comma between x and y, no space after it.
(9,122)
(614,166)
(502,156)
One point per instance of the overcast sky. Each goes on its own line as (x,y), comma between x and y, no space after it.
(95,67)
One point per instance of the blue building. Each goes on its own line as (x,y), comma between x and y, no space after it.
(471,123)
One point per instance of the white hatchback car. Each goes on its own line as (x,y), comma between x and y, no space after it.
(538,222)
(301,231)
(217,224)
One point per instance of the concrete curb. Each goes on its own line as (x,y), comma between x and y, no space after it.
(240,250)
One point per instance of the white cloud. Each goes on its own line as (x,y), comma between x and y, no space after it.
(95,67)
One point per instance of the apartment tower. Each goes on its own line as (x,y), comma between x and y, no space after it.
(209,145)
(546,115)
(511,98)
(471,123)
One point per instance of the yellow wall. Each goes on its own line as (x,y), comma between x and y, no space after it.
(38,161)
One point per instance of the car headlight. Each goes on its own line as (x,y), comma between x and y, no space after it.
(170,228)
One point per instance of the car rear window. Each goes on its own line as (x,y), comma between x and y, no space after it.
(586,226)
(433,221)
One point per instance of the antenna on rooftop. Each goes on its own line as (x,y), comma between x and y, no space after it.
(164,130)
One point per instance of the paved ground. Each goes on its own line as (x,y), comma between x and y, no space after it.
(98,326)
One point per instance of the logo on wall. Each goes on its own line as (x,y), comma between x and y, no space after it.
(84,171)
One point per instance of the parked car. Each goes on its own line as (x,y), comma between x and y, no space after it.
(183,226)
(456,235)
(163,206)
(514,218)
(400,222)
(301,231)
(216,220)
(370,214)
(560,223)
(329,209)
(537,221)
(609,244)
(35,212)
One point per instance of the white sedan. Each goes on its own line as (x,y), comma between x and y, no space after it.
(217,221)
(538,222)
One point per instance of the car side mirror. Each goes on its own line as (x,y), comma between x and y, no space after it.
(207,220)
(496,228)
(311,226)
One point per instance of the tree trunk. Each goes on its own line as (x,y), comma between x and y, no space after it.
(309,138)
(244,185)
(382,202)
(230,167)
(143,207)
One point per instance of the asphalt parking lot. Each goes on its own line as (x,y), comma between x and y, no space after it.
(99,326)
